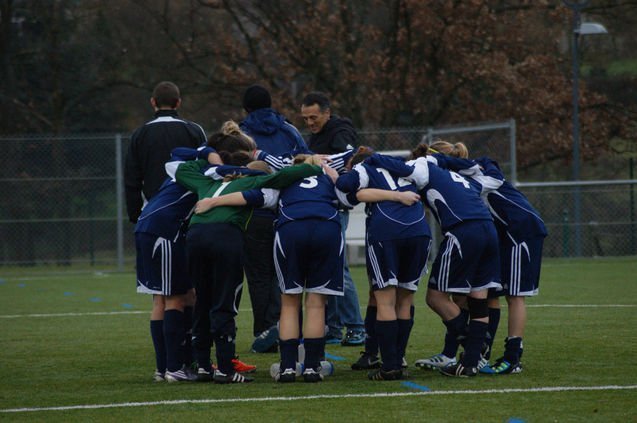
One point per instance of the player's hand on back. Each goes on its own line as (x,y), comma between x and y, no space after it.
(408,198)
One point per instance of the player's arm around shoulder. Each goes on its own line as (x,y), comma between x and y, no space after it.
(287,176)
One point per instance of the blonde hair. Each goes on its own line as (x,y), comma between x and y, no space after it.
(230,127)
(458,149)
(307,158)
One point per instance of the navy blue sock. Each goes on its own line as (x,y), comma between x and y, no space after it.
(494,321)
(404,329)
(225,352)
(289,352)
(157,335)
(513,349)
(456,329)
(174,336)
(188,359)
(314,351)
(473,346)
(387,335)
(371,342)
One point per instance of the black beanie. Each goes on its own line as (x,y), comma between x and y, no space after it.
(256,97)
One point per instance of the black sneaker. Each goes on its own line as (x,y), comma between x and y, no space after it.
(235,377)
(288,376)
(459,370)
(204,375)
(366,361)
(380,374)
(312,376)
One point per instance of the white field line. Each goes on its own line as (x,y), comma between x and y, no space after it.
(116,313)
(313,397)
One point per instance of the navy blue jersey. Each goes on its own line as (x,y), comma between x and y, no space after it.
(448,195)
(171,207)
(309,198)
(510,208)
(386,219)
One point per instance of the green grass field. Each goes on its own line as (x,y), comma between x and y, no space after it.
(76,347)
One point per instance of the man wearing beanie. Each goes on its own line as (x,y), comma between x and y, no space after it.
(274,135)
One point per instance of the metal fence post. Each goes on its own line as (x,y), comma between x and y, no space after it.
(119,189)
(514,163)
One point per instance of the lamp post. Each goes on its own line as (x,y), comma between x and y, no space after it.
(578,29)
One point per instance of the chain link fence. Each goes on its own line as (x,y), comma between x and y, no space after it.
(63,200)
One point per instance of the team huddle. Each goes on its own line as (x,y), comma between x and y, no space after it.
(190,250)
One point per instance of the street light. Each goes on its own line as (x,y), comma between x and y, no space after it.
(587,28)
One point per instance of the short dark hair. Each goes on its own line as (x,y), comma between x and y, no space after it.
(317,97)
(166,94)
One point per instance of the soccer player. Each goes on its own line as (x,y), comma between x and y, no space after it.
(308,251)
(217,267)
(150,148)
(521,233)
(161,267)
(398,240)
(468,260)
(332,134)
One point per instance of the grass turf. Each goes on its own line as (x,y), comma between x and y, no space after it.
(77,339)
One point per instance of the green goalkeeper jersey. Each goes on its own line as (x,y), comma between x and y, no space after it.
(189,175)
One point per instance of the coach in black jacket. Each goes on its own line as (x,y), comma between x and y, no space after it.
(151,145)
(330,135)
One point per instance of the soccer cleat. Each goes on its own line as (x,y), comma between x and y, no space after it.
(267,341)
(204,375)
(312,376)
(503,367)
(404,364)
(380,374)
(182,375)
(158,376)
(483,363)
(458,370)
(241,367)
(235,377)
(435,362)
(353,337)
(366,361)
(288,376)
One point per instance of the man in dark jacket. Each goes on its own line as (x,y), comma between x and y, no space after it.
(151,145)
(330,135)
(274,135)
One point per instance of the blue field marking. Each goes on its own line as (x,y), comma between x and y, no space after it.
(334,357)
(95,299)
(22,285)
(416,386)
(68,294)
(2,281)
(127,305)
(515,420)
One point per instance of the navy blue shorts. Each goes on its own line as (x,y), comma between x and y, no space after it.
(309,257)
(161,265)
(397,262)
(468,259)
(520,262)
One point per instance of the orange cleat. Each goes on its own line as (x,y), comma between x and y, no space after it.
(241,367)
